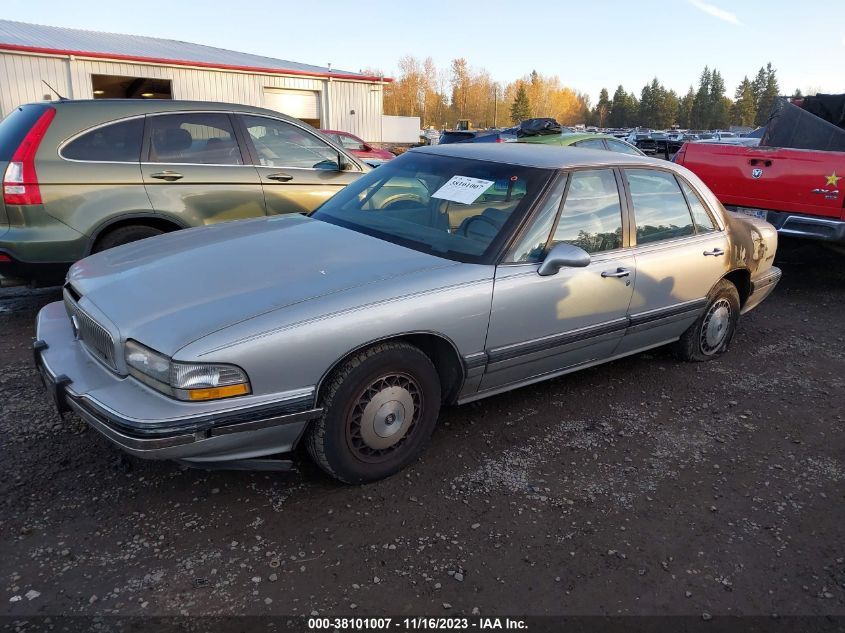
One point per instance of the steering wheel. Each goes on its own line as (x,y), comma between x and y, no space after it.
(466,223)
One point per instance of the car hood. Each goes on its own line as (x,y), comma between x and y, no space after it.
(170,290)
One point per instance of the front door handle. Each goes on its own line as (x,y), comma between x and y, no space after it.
(280,177)
(167,175)
(716,252)
(619,272)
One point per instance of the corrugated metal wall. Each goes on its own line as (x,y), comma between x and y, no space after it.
(21,75)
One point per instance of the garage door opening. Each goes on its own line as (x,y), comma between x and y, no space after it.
(300,104)
(119,87)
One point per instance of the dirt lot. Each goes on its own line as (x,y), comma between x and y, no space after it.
(642,487)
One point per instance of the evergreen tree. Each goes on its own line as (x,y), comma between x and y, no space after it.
(619,109)
(685,109)
(700,116)
(768,96)
(758,86)
(744,109)
(521,107)
(797,94)
(667,113)
(719,110)
(602,110)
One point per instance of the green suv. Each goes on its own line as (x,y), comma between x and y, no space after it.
(83,176)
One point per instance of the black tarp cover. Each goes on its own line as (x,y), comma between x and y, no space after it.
(800,128)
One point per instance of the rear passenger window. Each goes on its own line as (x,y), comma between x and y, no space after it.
(659,206)
(117,142)
(702,219)
(204,138)
(592,214)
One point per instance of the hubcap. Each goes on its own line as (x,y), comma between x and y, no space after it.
(384,416)
(716,325)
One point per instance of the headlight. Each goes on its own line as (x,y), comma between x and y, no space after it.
(185,381)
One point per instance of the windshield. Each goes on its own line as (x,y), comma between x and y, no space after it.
(455,208)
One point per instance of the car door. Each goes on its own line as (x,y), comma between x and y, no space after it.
(195,170)
(681,252)
(298,170)
(541,325)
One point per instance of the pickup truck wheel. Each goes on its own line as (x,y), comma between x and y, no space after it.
(711,335)
(379,411)
(125,235)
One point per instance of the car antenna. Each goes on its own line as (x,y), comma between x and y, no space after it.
(61,98)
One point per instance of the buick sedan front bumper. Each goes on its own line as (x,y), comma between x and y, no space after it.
(148,424)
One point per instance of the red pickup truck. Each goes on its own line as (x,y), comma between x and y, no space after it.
(795,178)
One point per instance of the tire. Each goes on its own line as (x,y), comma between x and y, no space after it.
(711,335)
(125,235)
(366,432)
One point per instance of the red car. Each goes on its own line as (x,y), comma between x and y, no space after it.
(356,146)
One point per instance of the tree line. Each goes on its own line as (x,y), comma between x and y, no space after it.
(442,98)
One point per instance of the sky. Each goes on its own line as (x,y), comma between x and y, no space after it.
(589,45)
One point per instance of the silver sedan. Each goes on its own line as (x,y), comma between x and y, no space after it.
(447,275)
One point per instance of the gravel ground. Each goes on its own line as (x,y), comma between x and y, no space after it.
(647,486)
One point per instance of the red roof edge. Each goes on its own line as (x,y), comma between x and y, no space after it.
(181,62)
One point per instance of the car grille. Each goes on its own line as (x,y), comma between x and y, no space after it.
(93,335)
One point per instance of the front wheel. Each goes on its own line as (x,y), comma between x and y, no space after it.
(711,334)
(379,411)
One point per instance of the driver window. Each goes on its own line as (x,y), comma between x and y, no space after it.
(532,245)
(280,144)
(592,213)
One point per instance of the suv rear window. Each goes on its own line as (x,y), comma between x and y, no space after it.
(15,126)
(117,142)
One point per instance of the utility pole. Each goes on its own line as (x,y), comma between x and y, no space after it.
(495,103)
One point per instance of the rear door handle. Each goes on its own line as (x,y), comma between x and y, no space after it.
(167,175)
(716,252)
(280,177)
(619,272)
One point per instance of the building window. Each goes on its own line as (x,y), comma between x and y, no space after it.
(119,87)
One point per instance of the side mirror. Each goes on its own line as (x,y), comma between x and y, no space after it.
(563,255)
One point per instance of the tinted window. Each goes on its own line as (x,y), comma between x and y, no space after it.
(591,143)
(206,138)
(622,148)
(15,126)
(454,208)
(532,245)
(702,219)
(117,142)
(280,144)
(592,214)
(659,206)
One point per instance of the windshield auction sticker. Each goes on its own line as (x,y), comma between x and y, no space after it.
(462,189)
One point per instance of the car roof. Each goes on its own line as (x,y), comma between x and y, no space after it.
(538,155)
(128,107)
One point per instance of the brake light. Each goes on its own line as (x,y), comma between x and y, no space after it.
(20,182)
(499,139)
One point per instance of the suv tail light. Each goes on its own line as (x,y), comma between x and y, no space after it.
(679,155)
(20,182)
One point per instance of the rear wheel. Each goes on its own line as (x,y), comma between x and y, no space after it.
(125,235)
(711,335)
(380,409)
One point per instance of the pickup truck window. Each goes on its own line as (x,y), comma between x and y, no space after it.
(702,219)
(660,209)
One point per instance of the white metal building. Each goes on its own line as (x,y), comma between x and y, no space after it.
(82,64)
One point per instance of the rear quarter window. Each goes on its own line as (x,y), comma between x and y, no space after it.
(115,142)
(15,126)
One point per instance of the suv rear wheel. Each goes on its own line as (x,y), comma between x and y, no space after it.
(125,235)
